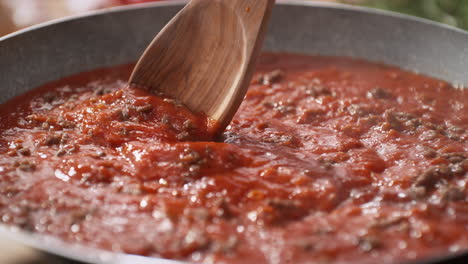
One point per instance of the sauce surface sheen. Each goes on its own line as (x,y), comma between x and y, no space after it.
(328,160)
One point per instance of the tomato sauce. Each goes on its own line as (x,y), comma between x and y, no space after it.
(328,160)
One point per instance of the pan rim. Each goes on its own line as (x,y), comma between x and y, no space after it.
(346,7)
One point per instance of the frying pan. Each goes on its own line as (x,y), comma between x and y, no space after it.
(60,48)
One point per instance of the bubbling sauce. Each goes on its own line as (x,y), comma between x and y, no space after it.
(328,160)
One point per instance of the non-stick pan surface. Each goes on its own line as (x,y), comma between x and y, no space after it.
(57,49)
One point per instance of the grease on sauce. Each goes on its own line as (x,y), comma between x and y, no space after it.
(329,160)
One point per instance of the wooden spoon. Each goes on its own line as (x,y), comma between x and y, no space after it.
(206,55)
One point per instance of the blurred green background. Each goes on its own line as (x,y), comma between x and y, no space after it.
(452,12)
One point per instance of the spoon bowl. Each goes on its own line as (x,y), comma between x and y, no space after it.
(206,55)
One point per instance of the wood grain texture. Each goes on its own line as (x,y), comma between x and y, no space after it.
(206,55)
